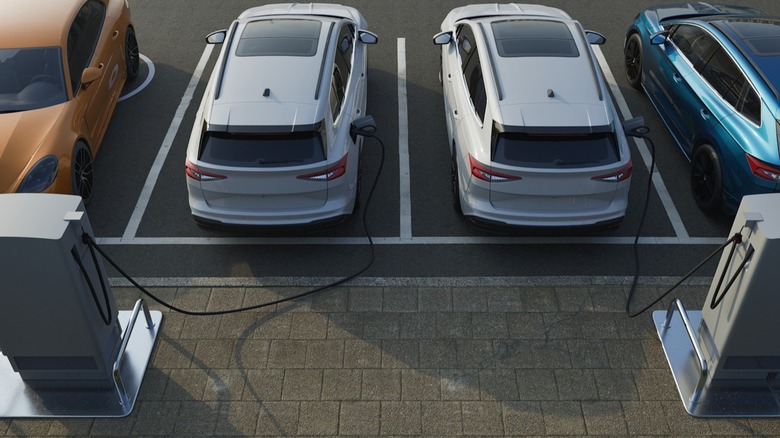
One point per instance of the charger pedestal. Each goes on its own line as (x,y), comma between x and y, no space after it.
(66,349)
(725,359)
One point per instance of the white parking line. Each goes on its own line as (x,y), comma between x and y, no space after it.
(162,154)
(658,182)
(403,146)
(462,240)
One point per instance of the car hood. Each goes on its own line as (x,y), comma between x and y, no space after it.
(21,135)
(698,9)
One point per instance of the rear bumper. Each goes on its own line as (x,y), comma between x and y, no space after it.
(332,211)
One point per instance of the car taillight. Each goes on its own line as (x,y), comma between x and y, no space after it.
(484,173)
(199,175)
(622,174)
(329,174)
(763,170)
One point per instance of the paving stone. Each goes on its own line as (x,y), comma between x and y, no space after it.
(469,299)
(381,385)
(655,385)
(608,298)
(498,384)
(277,419)
(615,385)
(186,384)
(254,296)
(287,354)
(345,325)
(154,385)
(400,354)
(541,299)
(438,299)
(194,299)
(263,385)
(101,427)
(318,418)
(525,325)
(213,353)
(587,353)
(156,418)
(382,326)
(654,354)
(536,384)
(604,418)
(359,418)
(504,299)
(439,353)
(333,300)
(453,325)
(551,354)
(341,384)
(302,384)
(325,354)
(482,418)
(523,418)
(225,298)
(308,326)
(199,327)
(513,354)
(558,326)
(474,353)
(420,384)
(576,384)
(399,299)
(197,418)
(250,353)
(67,427)
(489,326)
(645,418)
(417,326)
(682,424)
(401,418)
(442,418)
(459,384)
(237,418)
(573,299)
(361,354)
(625,353)
(225,385)
(173,353)
(365,299)
(273,326)
(563,418)
(597,325)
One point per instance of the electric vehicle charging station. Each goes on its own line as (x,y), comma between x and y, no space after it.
(69,351)
(724,358)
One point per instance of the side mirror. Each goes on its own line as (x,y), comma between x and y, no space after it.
(659,37)
(442,38)
(635,127)
(595,37)
(367,37)
(91,74)
(364,127)
(216,37)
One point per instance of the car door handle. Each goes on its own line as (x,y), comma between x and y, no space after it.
(705,114)
(677,78)
(115,34)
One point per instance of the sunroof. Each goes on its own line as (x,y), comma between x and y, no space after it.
(287,37)
(761,35)
(517,38)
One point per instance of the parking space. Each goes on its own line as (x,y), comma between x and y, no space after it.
(140,209)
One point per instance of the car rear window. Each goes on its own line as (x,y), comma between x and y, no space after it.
(516,38)
(555,151)
(285,37)
(262,150)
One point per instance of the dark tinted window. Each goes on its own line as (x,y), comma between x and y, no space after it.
(727,79)
(258,150)
(694,43)
(555,151)
(342,68)
(761,35)
(31,78)
(82,39)
(472,70)
(283,37)
(533,38)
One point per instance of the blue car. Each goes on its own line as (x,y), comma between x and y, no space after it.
(713,74)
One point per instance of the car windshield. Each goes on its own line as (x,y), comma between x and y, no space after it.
(262,150)
(31,79)
(555,151)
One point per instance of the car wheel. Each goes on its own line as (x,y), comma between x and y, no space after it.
(132,60)
(632,55)
(706,178)
(455,184)
(82,172)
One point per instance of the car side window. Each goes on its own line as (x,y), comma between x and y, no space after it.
(82,39)
(341,68)
(727,79)
(472,70)
(694,43)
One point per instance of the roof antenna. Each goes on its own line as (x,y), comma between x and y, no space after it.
(550,93)
(267,92)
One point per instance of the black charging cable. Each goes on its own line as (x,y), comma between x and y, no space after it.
(642,132)
(106,317)
(367,132)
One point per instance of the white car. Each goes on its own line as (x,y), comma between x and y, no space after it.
(272,141)
(534,135)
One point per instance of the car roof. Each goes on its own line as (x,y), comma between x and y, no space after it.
(279,89)
(39,23)
(545,89)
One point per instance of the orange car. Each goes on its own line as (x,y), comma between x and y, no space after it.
(63,64)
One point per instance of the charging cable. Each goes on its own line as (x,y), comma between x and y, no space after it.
(365,130)
(106,317)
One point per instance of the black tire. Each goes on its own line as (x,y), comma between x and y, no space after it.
(632,57)
(454,183)
(82,172)
(132,55)
(707,178)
